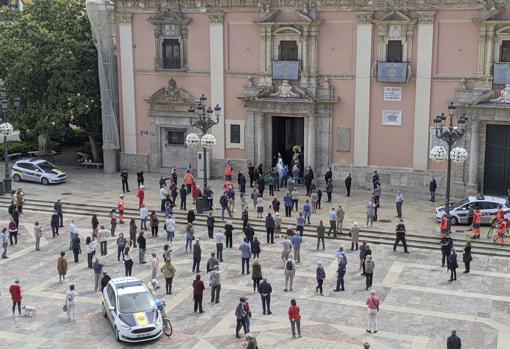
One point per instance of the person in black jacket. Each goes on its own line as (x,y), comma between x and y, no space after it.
(453,265)
(249,232)
(328,175)
(54,224)
(251,173)
(229,228)
(270,227)
(57,206)
(453,341)
(76,247)
(241,180)
(139,178)
(466,256)
(308,180)
(255,248)
(105,280)
(446,248)
(432,189)
(348,183)
(261,184)
(210,224)
(183,193)
(265,290)
(197,256)
(191,216)
(401,236)
(124,179)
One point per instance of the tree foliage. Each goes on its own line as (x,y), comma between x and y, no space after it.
(48,59)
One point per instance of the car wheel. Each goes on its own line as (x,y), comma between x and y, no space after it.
(17,178)
(117,335)
(454,220)
(45,181)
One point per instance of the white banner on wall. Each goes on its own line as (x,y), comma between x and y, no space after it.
(392,117)
(393,94)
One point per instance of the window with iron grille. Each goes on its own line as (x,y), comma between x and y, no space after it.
(175,137)
(288,51)
(171,54)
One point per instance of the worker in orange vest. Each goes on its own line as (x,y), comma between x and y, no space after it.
(445,226)
(228,171)
(477,217)
(188,180)
(121,205)
(500,215)
(502,231)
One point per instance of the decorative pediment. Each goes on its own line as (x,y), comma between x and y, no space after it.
(169,17)
(396,16)
(279,16)
(171,95)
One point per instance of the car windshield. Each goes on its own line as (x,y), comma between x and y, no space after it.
(47,167)
(460,203)
(135,302)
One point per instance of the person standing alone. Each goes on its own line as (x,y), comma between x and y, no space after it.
(124,179)
(15,291)
(432,189)
(373,303)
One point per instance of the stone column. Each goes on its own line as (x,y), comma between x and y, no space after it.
(362,97)
(310,151)
(217,83)
(260,144)
(422,98)
(473,153)
(129,132)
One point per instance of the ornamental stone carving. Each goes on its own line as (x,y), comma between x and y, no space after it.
(364,17)
(124,18)
(504,97)
(426,17)
(216,18)
(285,91)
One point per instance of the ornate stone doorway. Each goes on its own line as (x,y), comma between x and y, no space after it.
(287,133)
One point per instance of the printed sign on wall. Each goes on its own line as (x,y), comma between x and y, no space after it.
(393,94)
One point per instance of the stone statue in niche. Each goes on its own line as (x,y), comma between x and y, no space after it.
(504,96)
(285,91)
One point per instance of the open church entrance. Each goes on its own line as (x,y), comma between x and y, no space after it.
(287,132)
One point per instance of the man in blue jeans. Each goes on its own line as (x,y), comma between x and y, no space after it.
(245,249)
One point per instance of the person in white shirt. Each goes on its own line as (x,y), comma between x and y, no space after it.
(144,215)
(72,233)
(154,265)
(38,235)
(71,295)
(220,239)
(286,247)
(103,240)
(162,196)
(170,228)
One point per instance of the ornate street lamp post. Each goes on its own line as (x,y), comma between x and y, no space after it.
(450,133)
(6,129)
(201,118)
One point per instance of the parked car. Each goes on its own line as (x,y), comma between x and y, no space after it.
(131,309)
(460,211)
(37,170)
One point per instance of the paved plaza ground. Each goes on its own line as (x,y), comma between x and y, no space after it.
(419,305)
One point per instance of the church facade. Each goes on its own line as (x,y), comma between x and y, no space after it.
(355,84)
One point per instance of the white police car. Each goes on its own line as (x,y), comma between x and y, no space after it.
(129,306)
(37,170)
(460,211)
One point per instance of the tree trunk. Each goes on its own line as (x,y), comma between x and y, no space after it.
(94,149)
(42,141)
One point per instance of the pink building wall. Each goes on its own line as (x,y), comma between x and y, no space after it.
(455,54)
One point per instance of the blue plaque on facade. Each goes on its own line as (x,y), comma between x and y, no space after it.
(501,73)
(391,72)
(285,70)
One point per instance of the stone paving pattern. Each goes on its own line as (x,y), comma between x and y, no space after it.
(419,306)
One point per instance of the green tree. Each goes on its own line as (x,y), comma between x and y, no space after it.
(48,59)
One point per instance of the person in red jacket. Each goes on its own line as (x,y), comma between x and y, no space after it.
(477,217)
(228,171)
(295,318)
(198,292)
(15,291)
(141,196)
(121,205)
(445,226)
